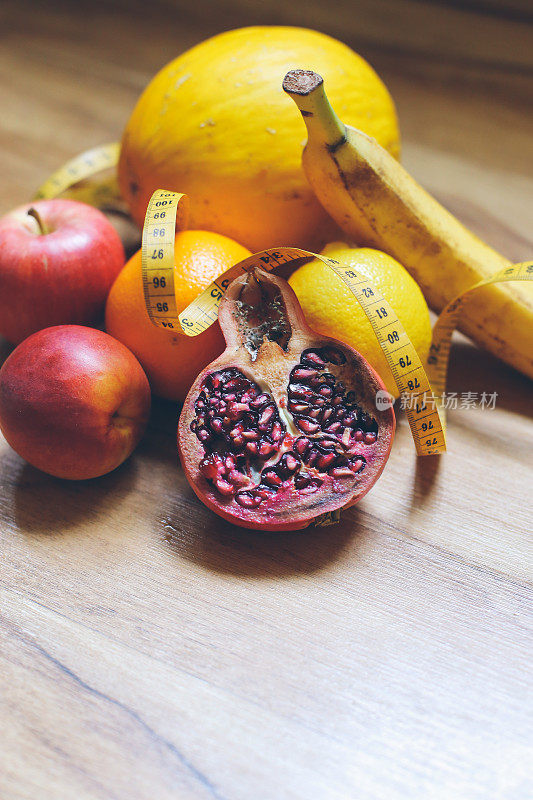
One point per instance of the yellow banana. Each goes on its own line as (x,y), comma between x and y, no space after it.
(377,202)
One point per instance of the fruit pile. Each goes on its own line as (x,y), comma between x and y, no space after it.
(279,422)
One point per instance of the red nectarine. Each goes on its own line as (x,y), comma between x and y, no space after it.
(74,402)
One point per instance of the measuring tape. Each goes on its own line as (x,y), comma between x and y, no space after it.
(103,194)
(439,351)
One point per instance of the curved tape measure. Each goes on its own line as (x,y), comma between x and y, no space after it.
(158,282)
(439,351)
(103,193)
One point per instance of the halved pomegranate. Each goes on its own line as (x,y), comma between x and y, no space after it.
(283,426)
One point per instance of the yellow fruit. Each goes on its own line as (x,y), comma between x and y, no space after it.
(216,124)
(170,359)
(331,309)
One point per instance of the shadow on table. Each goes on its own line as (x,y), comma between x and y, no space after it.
(475,370)
(218,545)
(51,506)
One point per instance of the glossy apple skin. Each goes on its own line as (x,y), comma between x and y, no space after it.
(74,402)
(58,278)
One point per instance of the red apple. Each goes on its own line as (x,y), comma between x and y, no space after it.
(58,259)
(74,402)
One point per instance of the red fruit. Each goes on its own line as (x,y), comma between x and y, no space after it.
(303,463)
(74,402)
(56,270)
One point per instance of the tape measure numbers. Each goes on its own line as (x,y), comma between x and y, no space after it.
(166,211)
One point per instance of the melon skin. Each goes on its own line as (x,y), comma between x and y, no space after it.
(216,124)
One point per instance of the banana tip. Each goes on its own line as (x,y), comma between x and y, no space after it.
(301,81)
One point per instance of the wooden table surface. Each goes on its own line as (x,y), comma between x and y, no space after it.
(149,650)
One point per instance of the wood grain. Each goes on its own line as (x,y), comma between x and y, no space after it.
(148,649)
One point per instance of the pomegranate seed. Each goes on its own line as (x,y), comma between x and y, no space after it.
(325,462)
(312,357)
(326,414)
(276,432)
(271,477)
(236,384)
(265,491)
(252,448)
(203,434)
(249,395)
(266,416)
(341,472)
(208,469)
(312,457)
(216,425)
(307,485)
(250,435)
(299,392)
(334,427)
(224,487)
(326,391)
(289,464)
(298,408)
(301,445)
(358,465)
(370,438)
(303,374)
(236,410)
(266,448)
(248,500)
(307,426)
(260,401)
(358,435)
(346,436)
(313,413)
(326,444)
(237,478)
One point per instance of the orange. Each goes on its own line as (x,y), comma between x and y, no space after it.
(170,359)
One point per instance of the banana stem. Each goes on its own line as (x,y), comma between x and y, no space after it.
(307,90)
